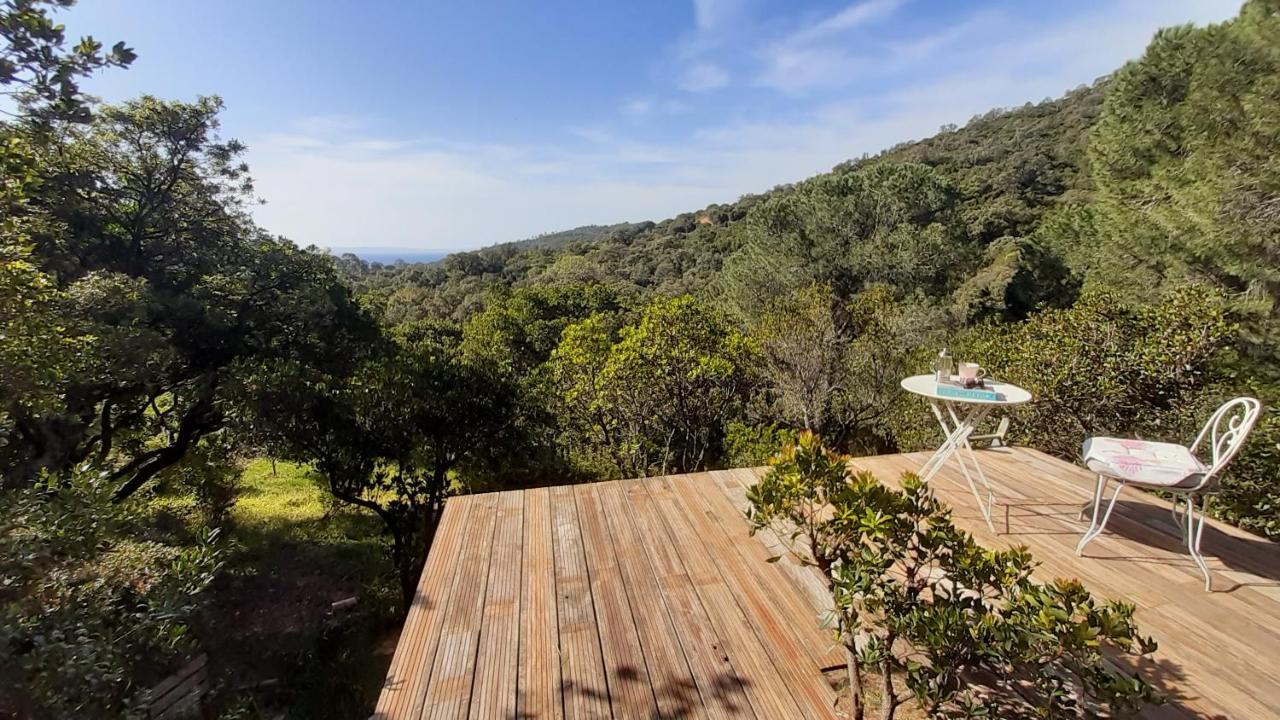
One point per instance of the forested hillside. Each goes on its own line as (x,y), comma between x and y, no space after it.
(1009,167)
(1104,211)
(1116,251)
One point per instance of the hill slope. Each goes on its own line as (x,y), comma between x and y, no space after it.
(1010,166)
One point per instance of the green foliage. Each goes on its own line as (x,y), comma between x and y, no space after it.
(38,71)
(518,331)
(833,367)
(92,605)
(887,224)
(1187,159)
(394,434)
(1104,367)
(656,398)
(1021,277)
(210,472)
(752,445)
(178,293)
(915,595)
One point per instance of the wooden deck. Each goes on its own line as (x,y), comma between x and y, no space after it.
(647,598)
(1219,653)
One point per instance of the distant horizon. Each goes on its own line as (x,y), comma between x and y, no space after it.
(439,140)
(392,255)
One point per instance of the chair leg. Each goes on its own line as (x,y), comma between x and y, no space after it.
(1096,526)
(1193,538)
(1179,519)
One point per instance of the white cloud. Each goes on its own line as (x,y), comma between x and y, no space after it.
(715,14)
(337,184)
(828,54)
(852,16)
(640,107)
(703,77)
(637,106)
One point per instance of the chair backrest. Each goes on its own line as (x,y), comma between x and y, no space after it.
(1226,432)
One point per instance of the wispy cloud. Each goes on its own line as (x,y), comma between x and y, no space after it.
(703,77)
(715,14)
(849,18)
(841,49)
(642,106)
(340,183)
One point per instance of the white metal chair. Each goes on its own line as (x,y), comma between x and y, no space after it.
(1171,468)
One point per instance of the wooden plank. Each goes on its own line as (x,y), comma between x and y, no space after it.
(656,583)
(734,484)
(674,686)
(539,681)
(717,682)
(158,696)
(583,688)
(493,692)
(781,633)
(764,687)
(630,687)
(448,694)
(809,629)
(407,678)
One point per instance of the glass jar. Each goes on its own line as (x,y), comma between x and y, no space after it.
(943,367)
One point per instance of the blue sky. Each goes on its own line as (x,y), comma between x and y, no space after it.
(453,125)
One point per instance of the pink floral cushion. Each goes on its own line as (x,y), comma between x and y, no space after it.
(1140,461)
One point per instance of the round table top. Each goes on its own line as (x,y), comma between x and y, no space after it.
(1007,393)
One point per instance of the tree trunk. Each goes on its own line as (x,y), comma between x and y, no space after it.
(889,701)
(855,681)
(404,568)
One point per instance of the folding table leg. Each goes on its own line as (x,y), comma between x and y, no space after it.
(958,432)
(976,415)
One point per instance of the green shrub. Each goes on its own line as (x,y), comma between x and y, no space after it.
(211,473)
(1104,367)
(91,608)
(914,595)
(752,445)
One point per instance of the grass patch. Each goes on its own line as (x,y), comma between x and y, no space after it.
(275,643)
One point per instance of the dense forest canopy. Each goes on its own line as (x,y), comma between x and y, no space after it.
(1115,250)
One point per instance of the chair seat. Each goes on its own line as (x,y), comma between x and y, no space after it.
(1156,464)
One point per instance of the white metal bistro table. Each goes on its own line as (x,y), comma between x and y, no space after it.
(958,423)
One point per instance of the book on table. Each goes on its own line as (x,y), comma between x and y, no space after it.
(960,392)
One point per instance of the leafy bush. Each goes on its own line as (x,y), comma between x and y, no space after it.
(915,595)
(655,396)
(752,445)
(90,608)
(211,473)
(1105,367)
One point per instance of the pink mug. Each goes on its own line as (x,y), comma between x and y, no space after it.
(972,371)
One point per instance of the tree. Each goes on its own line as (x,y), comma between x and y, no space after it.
(148,241)
(36,69)
(890,224)
(836,370)
(1186,155)
(803,352)
(396,437)
(1021,277)
(1105,367)
(35,350)
(520,328)
(657,398)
